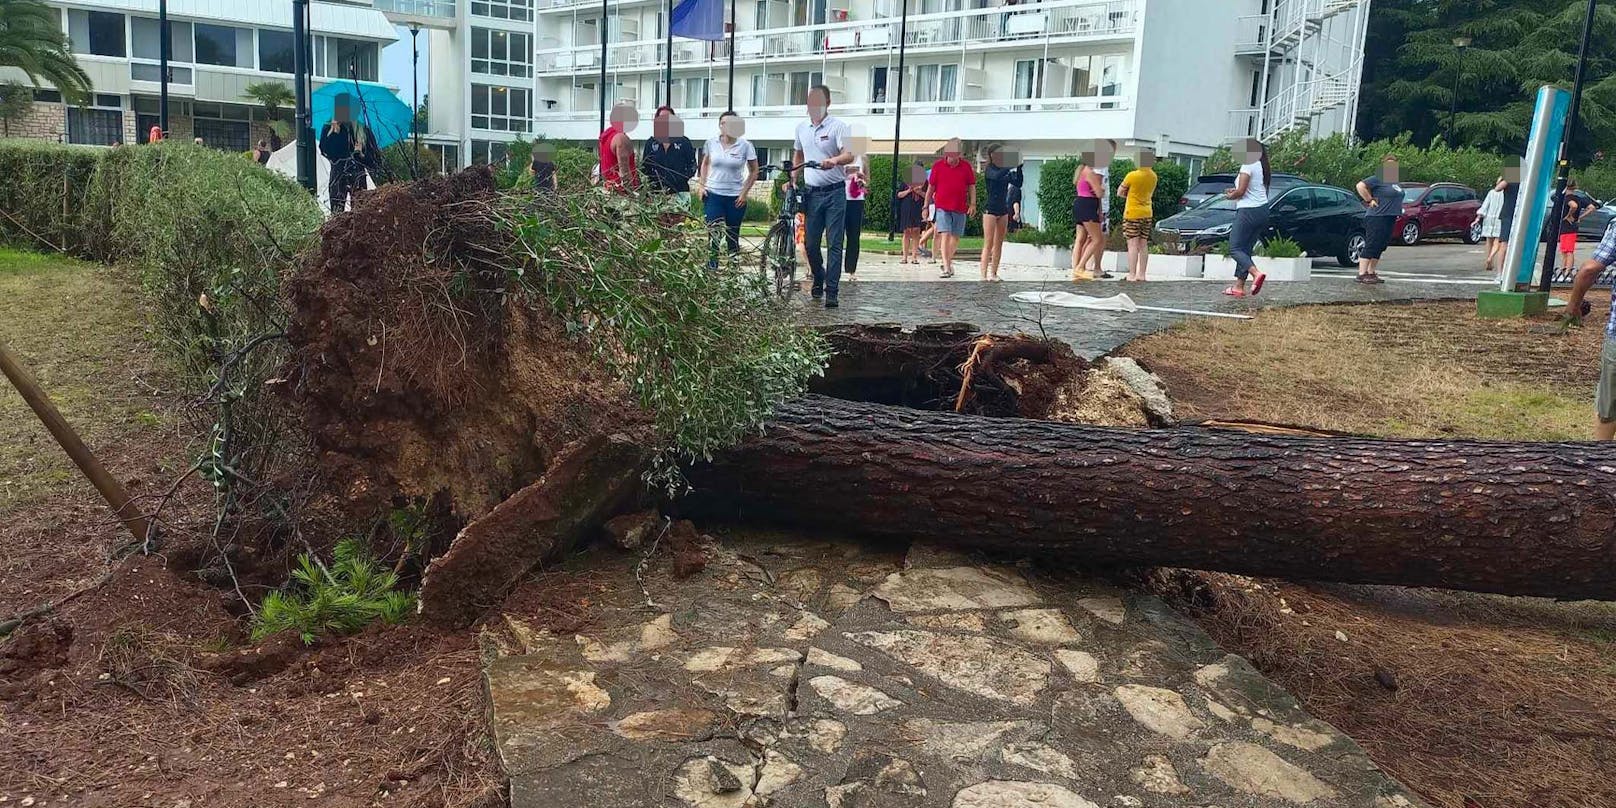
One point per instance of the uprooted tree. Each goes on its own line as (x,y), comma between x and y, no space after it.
(525,371)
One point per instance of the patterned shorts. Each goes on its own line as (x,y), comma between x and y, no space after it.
(1138,228)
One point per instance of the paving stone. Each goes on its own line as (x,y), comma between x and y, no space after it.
(958,684)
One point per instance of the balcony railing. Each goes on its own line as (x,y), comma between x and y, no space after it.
(1033,23)
(1093,103)
(443,9)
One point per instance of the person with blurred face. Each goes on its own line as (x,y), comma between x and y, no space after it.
(1250,193)
(1510,187)
(543,167)
(825,140)
(348,145)
(1577,205)
(1487,216)
(1089,240)
(1001,171)
(911,214)
(1383,194)
(1139,216)
(669,160)
(953,193)
(729,167)
(618,172)
(858,186)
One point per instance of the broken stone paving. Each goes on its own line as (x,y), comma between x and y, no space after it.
(804,673)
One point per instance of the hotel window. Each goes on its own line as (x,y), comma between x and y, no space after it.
(146,45)
(936,82)
(275,51)
(521,10)
(501,53)
(224,45)
(338,58)
(98,33)
(98,125)
(488,152)
(501,109)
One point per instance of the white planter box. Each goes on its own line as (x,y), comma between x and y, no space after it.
(1115,263)
(1285,269)
(1033,255)
(1172,267)
(1218,267)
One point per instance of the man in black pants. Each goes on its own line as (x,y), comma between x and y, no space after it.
(352,151)
(669,160)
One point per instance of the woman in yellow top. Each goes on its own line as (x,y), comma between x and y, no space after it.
(1139,218)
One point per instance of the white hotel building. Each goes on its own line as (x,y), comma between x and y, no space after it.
(1180,76)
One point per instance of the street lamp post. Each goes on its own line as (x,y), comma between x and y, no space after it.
(162,67)
(897,123)
(301,54)
(1555,216)
(1460,43)
(604,11)
(415,97)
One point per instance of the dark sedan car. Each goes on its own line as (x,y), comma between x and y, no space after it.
(1323,219)
(1442,209)
(1592,227)
(1210,185)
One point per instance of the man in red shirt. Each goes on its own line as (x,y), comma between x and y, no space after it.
(953,192)
(618,172)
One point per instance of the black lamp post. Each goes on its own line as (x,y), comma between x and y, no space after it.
(162,67)
(415,96)
(301,56)
(604,11)
(1555,216)
(897,123)
(1460,42)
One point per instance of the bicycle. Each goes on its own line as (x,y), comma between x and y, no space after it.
(779,259)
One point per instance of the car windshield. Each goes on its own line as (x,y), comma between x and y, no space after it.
(1413,194)
(1211,187)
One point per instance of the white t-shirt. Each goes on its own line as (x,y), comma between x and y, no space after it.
(819,143)
(726,165)
(1257,191)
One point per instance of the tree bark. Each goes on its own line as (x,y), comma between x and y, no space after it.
(1512,518)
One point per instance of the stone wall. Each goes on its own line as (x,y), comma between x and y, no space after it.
(42,122)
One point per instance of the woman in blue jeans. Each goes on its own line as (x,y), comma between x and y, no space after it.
(1250,193)
(729,166)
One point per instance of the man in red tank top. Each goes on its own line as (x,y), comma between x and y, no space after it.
(618,171)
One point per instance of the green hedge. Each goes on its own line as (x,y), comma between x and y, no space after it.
(42,195)
(1335,161)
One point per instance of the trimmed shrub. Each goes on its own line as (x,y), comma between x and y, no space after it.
(1042,238)
(1335,161)
(1057,195)
(42,197)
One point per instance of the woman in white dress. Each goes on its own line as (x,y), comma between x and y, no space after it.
(1492,225)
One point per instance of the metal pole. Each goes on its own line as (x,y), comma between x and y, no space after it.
(603,15)
(897,123)
(731,90)
(163,46)
(1453,107)
(300,80)
(1547,281)
(667,69)
(415,97)
(111,489)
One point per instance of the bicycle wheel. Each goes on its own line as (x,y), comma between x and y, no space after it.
(779,260)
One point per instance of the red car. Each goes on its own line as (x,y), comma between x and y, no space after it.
(1440,209)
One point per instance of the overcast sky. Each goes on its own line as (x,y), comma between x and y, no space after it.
(396,63)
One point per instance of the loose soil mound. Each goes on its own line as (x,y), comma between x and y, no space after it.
(417,374)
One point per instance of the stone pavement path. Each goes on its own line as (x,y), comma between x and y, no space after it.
(805,673)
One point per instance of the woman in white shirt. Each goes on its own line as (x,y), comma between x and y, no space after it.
(729,166)
(1250,193)
(1491,217)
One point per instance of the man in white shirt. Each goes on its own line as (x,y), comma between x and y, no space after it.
(825,140)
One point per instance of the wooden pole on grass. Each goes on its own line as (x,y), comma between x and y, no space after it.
(111,490)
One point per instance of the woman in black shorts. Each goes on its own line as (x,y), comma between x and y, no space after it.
(1089,242)
(999,173)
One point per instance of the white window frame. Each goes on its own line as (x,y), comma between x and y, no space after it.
(506,109)
(516,10)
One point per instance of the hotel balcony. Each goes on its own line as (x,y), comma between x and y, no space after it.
(427,13)
(1032,25)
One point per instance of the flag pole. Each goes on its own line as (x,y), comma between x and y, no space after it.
(897,124)
(604,14)
(731,87)
(667,70)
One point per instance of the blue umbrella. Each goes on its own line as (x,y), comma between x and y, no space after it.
(377,107)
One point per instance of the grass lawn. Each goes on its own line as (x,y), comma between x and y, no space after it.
(77,329)
(1506,701)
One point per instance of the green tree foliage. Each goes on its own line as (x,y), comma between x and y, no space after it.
(1334,161)
(342,597)
(32,41)
(1517,46)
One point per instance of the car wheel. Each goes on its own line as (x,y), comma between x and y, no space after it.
(1411,233)
(1353,249)
(1473,235)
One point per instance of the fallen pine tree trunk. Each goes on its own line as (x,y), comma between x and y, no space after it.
(1511,518)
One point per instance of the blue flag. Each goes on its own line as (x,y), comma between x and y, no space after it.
(699,19)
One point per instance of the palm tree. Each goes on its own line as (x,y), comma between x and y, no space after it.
(31,40)
(272,96)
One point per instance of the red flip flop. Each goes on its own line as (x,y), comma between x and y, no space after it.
(1257,282)
(1233,292)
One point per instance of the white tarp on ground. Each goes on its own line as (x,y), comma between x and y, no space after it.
(285,162)
(1118,302)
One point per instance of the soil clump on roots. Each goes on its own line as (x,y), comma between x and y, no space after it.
(421,376)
